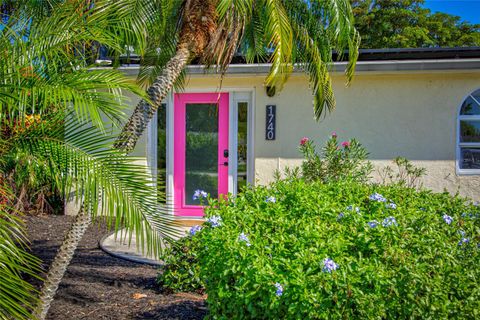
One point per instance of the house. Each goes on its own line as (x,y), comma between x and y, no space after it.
(216,136)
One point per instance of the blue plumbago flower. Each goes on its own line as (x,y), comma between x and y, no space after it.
(243,237)
(464,241)
(352,208)
(271,199)
(447,219)
(340,216)
(389,221)
(329,265)
(195,229)
(199,194)
(279,291)
(215,221)
(377,197)
(468,215)
(423,209)
(373,224)
(391,205)
(462,233)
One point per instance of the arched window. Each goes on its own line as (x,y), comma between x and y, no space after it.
(468,135)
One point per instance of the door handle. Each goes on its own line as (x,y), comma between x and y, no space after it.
(224,164)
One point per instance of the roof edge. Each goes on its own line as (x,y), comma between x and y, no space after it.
(384,66)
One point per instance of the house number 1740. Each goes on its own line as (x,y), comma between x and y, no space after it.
(270,123)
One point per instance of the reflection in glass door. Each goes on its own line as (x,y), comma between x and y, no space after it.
(200,150)
(242,143)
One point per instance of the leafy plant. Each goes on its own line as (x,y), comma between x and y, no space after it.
(406,173)
(17,297)
(340,250)
(27,177)
(181,271)
(347,161)
(46,69)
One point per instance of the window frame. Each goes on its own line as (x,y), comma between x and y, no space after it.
(459,144)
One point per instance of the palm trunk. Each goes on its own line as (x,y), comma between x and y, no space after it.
(61,262)
(144,111)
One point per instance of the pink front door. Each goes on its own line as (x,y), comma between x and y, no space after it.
(200,150)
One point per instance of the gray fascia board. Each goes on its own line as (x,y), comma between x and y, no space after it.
(362,66)
(387,66)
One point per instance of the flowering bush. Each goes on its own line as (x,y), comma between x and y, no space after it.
(181,271)
(347,161)
(340,250)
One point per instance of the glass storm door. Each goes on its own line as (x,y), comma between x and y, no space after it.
(200,150)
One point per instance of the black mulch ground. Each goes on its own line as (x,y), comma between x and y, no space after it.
(99,286)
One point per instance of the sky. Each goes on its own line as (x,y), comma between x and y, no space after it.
(468,10)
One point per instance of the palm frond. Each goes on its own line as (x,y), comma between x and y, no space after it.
(279,34)
(162,41)
(319,28)
(339,23)
(17,297)
(106,181)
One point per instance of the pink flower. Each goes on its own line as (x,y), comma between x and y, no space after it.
(303,141)
(345,144)
(334,134)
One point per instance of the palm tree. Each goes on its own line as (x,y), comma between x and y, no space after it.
(284,32)
(45,75)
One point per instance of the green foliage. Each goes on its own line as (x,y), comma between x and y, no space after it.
(17,297)
(26,175)
(407,24)
(283,33)
(405,174)
(347,161)
(181,271)
(57,123)
(266,258)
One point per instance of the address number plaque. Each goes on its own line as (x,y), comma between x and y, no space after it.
(271,118)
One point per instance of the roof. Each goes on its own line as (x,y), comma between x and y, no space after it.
(419,53)
(370,60)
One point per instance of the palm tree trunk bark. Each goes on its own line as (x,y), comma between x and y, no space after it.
(61,262)
(144,111)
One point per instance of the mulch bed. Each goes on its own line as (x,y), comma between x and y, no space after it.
(99,286)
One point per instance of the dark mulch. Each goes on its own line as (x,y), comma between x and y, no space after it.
(99,286)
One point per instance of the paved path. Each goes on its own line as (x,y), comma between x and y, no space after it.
(118,246)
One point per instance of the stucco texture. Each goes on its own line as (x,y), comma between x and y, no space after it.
(410,114)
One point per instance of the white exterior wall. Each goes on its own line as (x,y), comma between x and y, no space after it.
(409,114)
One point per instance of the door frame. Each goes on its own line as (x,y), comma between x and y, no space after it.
(181,100)
(236,94)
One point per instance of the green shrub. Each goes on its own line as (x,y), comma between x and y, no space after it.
(303,250)
(345,161)
(405,173)
(181,271)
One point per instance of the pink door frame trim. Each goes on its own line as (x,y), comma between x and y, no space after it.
(179,138)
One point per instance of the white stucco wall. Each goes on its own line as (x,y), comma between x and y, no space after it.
(409,114)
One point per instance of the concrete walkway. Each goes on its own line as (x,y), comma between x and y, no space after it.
(119,247)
